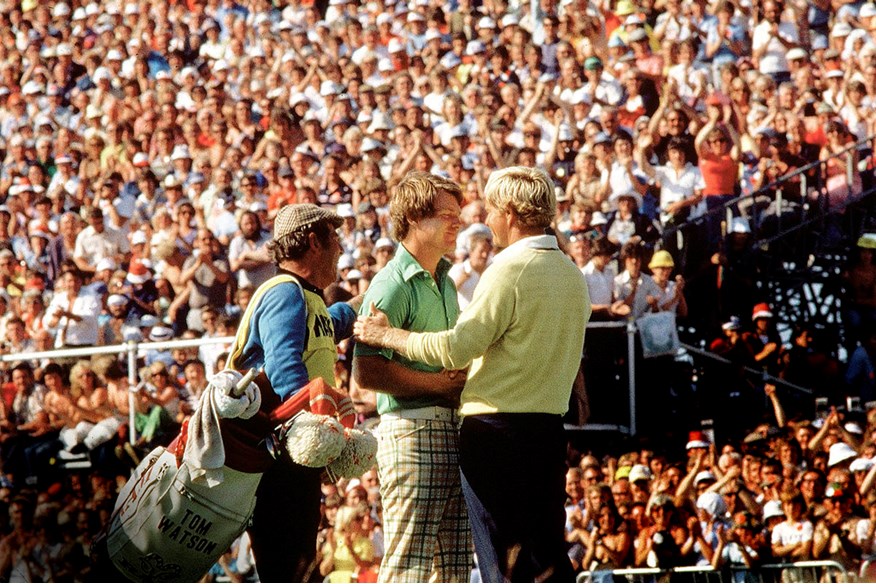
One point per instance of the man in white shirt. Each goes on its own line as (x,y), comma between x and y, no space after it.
(771,41)
(467,274)
(600,279)
(97,241)
(72,314)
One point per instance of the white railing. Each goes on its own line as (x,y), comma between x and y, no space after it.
(811,571)
(132,348)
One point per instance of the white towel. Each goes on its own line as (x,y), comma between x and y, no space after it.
(205,453)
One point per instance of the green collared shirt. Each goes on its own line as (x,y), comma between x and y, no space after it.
(412,300)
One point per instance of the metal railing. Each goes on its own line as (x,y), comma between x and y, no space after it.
(813,571)
(130,348)
(775,193)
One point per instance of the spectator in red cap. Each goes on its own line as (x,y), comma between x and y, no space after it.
(764,342)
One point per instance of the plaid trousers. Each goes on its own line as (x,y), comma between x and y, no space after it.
(427,535)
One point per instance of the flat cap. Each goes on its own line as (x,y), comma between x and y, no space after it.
(294,218)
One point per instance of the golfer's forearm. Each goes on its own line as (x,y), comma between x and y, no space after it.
(396,340)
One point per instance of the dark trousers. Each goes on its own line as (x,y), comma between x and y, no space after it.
(713,221)
(513,478)
(286,521)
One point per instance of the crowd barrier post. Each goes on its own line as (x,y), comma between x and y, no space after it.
(631,371)
(133,380)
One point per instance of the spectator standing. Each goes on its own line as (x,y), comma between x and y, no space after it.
(771,40)
(206,277)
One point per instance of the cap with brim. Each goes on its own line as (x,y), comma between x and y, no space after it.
(761,310)
(592,63)
(294,218)
(639,472)
(148,321)
(117,300)
(839,453)
(384,242)
(772,509)
(615,197)
(450,60)
(861,464)
(138,275)
(625,7)
(105,264)
(704,475)
(370,144)
(160,334)
(696,444)
(637,35)
(138,238)
(796,53)
(841,29)
(616,42)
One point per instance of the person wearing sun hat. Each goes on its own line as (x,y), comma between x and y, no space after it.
(672,297)
(288,331)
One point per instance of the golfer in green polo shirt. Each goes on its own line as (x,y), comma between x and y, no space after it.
(426,530)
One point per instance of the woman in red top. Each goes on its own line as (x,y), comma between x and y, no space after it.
(717,145)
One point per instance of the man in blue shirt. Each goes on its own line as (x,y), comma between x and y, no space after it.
(289,332)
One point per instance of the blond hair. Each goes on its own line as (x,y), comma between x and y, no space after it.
(414,198)
(529,192)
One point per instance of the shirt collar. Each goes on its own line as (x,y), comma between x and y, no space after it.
(531,242)
(410,267)
(304,283)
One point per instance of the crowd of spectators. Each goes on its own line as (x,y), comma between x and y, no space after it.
(146,147)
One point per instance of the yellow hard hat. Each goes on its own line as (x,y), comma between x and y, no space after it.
(661,259)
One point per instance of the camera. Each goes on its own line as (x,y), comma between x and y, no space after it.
(853,404)
(821,407)
(708,427)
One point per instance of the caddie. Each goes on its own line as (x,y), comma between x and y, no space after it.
(288,330)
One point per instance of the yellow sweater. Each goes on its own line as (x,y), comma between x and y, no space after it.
(523,332)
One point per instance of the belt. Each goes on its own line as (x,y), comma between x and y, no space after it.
(436,413)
